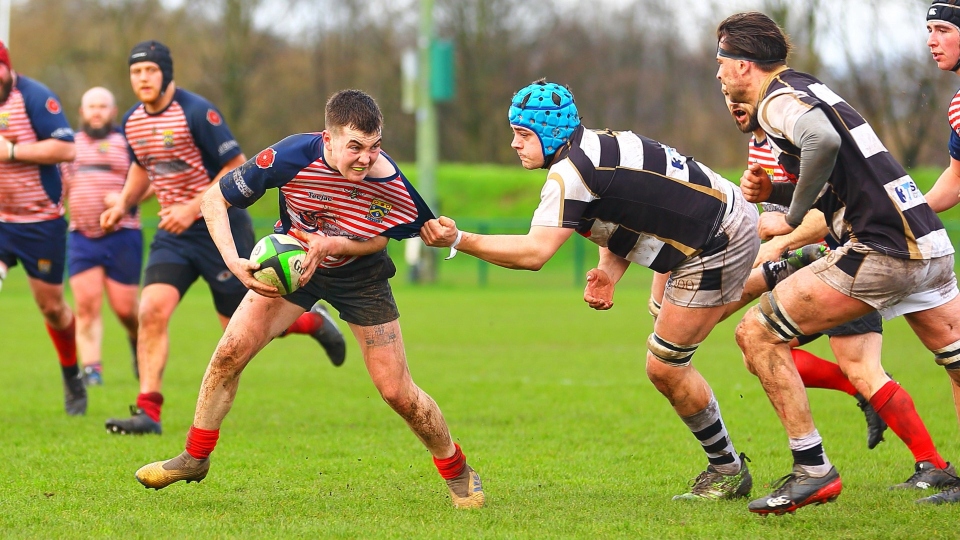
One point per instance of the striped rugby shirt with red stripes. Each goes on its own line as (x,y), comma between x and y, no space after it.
(316,198)
(953,117)
(31,193)
(182,147)
(100,167)
(762,154)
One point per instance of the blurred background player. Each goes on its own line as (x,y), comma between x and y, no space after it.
(34,137)
(96,260)
(365,200)
(179,145)
(659,209)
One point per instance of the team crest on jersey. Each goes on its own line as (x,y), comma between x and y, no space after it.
(266,157)
(53,106)
(4,120)
(44,266)
(378,210)
(214,117)
(103,147)
(168,138)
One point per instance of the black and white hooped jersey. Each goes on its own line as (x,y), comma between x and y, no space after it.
(316,198)
(641,199)
(869,197)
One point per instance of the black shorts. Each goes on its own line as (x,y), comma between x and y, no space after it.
(871,322)
(359,291)
(179,259)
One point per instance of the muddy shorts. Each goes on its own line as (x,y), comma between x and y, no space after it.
(716,278)
(890,285)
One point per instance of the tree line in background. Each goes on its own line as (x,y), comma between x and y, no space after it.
(270,65)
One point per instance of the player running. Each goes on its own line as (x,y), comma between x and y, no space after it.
(644,203)
(96,260)
(857,344)
(179,145)
(34,137)
(894,257)
(342,197)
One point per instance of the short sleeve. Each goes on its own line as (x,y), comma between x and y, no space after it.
(954,145)
(46,114)
(563,198)
(272,167)
(778,115)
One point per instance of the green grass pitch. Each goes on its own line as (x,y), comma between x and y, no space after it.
(547,397)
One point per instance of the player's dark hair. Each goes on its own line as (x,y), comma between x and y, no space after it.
(353,108)
(755,37)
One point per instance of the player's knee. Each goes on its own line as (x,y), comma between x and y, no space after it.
(949,358)
(672,355)
(766,322)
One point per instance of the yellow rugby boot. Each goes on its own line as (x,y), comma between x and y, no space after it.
(161,474)
(466,491)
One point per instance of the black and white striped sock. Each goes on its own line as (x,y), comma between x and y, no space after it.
(707,426)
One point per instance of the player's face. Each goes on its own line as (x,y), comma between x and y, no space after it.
(528,147)
(744,115)
(147,81)
(734,80)
(351,151)
(944,42)
(6,83)
(97,110)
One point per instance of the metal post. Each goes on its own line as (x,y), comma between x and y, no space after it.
(427,139)
(5,21)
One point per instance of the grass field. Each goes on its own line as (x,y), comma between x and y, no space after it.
(547,397)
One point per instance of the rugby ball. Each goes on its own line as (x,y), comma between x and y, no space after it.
(280,257)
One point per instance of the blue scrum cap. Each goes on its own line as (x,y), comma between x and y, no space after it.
(548,110)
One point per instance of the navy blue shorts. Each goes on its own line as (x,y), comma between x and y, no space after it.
(179,260)
(869,323)
(120,254)
(360,291)
(40,246)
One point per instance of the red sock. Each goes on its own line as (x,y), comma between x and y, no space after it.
(150,404)
(819,373)
(895,407)
(65,341)
(452,466)
(307,323)
(200,442)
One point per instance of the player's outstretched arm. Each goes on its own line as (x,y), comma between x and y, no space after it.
(810,231)
(214,208)
(515,251)
(945,193)
(134,188)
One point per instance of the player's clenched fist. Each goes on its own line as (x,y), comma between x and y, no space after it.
(755,184)
(598,293)
(440,232)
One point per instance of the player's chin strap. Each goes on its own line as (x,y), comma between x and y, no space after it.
(453,246)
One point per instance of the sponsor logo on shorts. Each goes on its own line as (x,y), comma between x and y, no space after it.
(224,276)
(53,106)
(682,284)
(4,120)
(214,117)
(266,158)
(168,138)
(44,266)
(378,210)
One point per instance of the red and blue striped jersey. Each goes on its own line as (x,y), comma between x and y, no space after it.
(316,198)
(182,147)
(953,117)
(100,167)
(29,192)
(762,153)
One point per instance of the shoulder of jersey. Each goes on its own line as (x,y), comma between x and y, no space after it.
(299,151)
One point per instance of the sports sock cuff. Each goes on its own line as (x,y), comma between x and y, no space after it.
(452,466)
(150,403)
(883,395)
(201,442)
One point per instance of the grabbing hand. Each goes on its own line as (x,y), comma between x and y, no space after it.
(755,184)
(773,224)
(318,248)
(598,293)
(440,232)
(769,251)
(244,269)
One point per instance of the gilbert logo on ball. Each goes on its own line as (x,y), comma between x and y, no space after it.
(280,257)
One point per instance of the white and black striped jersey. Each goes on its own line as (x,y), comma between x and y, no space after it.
(641,199)
(869,197)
